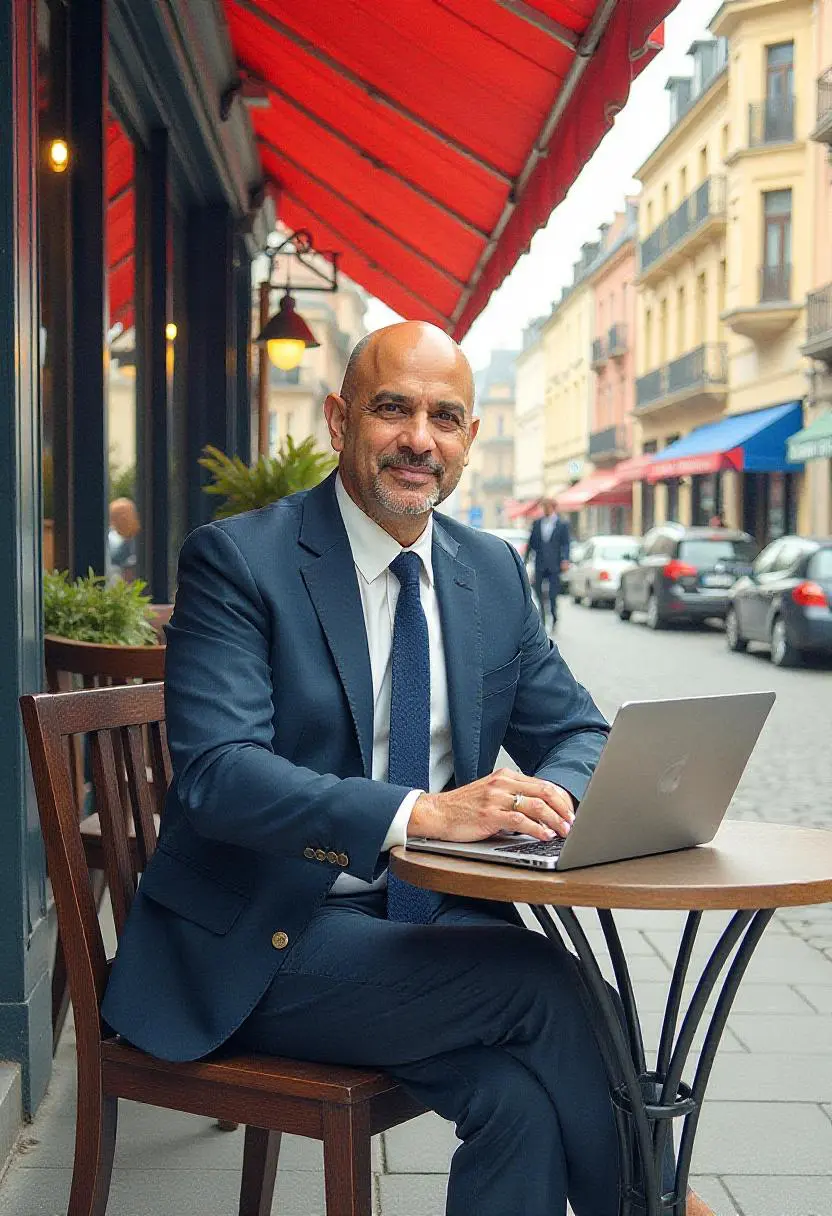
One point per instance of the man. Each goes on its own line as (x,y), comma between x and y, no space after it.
(341,671)
(549,544)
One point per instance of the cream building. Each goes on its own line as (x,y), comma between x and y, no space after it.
(488,480)
(566,338)
(529,433)
(725,268)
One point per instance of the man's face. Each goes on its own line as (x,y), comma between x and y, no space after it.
(404,437)
(548,507)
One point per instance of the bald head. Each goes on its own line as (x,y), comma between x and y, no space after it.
(407,344)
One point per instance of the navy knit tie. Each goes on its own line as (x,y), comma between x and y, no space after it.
(409,761)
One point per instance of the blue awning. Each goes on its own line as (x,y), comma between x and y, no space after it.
(752,443)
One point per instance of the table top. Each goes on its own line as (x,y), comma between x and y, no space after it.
(748,865)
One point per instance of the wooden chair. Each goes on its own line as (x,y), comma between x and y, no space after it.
(93,665)
(343,1107)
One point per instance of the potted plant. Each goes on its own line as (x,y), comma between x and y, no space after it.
(246,487)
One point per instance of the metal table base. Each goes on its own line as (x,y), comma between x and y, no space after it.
(646,1102)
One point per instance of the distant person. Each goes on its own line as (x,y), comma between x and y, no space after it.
(122,555)
(549,544)
(716,520)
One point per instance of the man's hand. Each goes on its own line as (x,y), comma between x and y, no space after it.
(565,565)
(502,801)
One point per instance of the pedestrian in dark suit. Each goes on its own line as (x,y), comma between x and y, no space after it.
(342,669)
(549,545)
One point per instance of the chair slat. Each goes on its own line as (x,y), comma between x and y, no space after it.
(160,763)
(113,825)
(139,793)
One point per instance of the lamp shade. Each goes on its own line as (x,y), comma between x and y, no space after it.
(286,335)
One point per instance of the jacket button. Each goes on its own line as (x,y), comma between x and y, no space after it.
(280,940)
(320,854)
(343,860)
(332,858)
(309,853)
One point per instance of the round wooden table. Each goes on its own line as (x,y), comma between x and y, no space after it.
(750,869)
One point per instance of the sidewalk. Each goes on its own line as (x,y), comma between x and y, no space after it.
(764,1145)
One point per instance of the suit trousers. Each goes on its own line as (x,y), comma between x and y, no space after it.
(483,1021)
(553,581)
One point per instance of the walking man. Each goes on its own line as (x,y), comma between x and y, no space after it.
(549,545)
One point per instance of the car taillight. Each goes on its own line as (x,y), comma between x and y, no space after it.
(674,570)
(603,576)
(810,595)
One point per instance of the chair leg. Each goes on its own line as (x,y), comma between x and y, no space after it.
(347,1165)
(260,1155)
(95,1146)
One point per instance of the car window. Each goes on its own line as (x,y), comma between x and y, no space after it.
(586,554)
(648,545)
(768,559)
(820,567)
(790,552)
(703,551)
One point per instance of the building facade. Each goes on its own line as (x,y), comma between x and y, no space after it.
(488,480)
(529,419)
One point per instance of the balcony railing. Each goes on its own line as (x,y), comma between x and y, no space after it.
(701,368)
(617,340)
(819,313)
(611,441)
(598,354)
(775,284)
(823,127)
(706,201)
(770,121)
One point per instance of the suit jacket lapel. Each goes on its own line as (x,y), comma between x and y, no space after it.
(456,588)
(332,584)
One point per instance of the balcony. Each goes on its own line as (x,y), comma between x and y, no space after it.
(598,354)
(608,445)
(775,310)
(700,375)
(617,341)
(496,441)
(818,343)
(822,133)
(697,221)
(771,122)
(500,483)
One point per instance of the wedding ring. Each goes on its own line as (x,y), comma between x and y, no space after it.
(516,801)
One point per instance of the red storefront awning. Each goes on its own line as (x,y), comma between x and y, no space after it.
(599,489)
(121,225)
(429,142)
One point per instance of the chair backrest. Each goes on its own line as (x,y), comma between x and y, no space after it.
(117,722)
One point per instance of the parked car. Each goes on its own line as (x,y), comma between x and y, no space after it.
(516,537)
(786,601)
(594,578)
(684,574)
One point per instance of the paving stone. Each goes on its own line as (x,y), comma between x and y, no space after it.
(11,1114)
(762,1138)
(802,1035)
(422,1146)
(783,1078)
(715,1195)
(785,959)
(793,1196)
(756,998)
(818,995)
(412,1194)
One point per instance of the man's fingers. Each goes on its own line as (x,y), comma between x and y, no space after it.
(540,812)
(552,795)
(516,821)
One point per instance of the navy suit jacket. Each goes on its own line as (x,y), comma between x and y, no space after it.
(269,708)
(548,555)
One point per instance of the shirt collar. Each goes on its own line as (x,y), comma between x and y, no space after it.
(373,549)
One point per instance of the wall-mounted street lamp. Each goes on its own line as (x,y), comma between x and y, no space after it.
(284,337)
(57,154)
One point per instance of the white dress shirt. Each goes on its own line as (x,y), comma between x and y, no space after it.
(547,527)
(373,550)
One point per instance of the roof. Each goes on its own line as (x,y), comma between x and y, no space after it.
(429,142)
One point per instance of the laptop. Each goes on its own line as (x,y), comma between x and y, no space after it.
(664,781)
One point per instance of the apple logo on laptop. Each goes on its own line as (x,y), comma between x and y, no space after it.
(671,778)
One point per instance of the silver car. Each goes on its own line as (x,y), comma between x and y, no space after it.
(594,578)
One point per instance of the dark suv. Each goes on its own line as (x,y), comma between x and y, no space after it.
(684,574)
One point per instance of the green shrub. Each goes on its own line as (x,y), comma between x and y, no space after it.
(87,610)
(246,487)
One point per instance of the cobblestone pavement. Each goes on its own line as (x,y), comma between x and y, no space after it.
(789,776)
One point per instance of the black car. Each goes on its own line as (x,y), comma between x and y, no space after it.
(785,601)
(684,574)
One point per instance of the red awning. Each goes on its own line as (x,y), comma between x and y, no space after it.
(634,469)
(523,509)
(121,225)
(599,489)
(429,142)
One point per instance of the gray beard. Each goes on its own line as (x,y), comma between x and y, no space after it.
(392,503)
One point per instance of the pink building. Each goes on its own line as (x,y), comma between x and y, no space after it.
(610,426)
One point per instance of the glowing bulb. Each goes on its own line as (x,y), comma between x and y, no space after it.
(171,331)
(58,155)
(285,353)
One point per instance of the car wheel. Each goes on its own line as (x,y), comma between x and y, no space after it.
(783,653)
(621,608)
(733,637)
(576,597)
(655,620)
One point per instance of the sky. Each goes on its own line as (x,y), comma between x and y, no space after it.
(596,194)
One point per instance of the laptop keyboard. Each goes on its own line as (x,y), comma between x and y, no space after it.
(537,848)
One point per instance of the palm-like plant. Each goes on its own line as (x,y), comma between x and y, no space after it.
(246,487)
